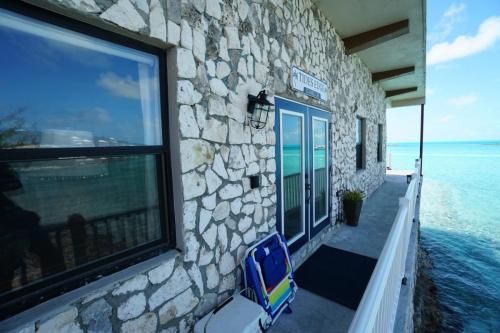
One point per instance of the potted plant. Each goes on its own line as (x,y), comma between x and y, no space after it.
(353,201)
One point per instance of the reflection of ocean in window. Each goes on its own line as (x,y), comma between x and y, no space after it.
(320,171)
(90,186)
(55,138)
(88,207)
(84,92)
(292,150)
(64,208)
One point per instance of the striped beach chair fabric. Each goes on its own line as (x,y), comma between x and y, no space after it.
(268,275)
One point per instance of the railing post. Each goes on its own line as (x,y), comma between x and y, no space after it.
(421,136)
(418,168)
(405,203)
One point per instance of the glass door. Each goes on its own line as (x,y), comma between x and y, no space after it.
(319,156)
(302,173)
(293,175)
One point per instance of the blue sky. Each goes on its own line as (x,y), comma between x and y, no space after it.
(67,86)
(291,130)
(463,76)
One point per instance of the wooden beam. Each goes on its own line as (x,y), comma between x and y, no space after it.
(376,36)
(390,93)
(407,102)
(393,73)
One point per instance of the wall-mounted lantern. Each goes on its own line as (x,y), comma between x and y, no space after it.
(258,110)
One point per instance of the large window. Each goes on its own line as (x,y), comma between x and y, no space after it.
(380,140)
(83,160)
(360,143)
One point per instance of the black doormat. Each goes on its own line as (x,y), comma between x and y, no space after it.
(336,274)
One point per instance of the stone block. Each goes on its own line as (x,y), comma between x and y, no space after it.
(63,322)
(186,67)
(97,317)
(195,153)
(124,14)
(193,185)
(147,323)
(137,283)
(133,307)
(178,307)
(161,273)
(178,282)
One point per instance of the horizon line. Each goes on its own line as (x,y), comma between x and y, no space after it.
(447,141)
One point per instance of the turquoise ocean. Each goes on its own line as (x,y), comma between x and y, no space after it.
(292,159)
(460,228)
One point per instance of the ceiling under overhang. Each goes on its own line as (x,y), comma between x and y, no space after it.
(389,37)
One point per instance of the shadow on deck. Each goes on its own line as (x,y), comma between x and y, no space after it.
(313,313)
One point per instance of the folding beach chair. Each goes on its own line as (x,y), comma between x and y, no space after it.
(268,276)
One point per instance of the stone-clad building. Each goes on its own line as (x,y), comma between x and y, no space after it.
(207,57)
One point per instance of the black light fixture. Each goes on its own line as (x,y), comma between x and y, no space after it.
(254,181)
(258,109)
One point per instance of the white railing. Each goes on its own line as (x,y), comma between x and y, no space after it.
(377,309)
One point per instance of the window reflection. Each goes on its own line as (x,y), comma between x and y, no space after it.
(63,89)
(320,171)
(292,157)
(379,143)
(359,143)
(60,214)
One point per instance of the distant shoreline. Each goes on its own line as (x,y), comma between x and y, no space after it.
(481,142)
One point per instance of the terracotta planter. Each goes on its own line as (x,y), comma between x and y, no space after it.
(352,210)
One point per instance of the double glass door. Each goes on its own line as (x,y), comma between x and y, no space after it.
(302,150)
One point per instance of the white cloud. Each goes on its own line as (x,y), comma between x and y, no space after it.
(293,134)
(454,10)
(445,26)
(446,119)
(463,101)
(463,46)
(95,115)
(429,91)
(119,86)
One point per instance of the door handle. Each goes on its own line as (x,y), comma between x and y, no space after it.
(308,189)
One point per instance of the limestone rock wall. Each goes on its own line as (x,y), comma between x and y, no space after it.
(226,50)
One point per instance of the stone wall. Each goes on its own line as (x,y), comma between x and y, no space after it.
(224,51)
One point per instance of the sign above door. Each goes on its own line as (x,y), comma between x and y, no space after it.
(308,84)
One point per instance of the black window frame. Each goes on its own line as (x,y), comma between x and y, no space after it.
(360,147)
(52,286)
(380,132)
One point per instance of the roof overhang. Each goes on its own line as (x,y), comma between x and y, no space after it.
(389,37)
